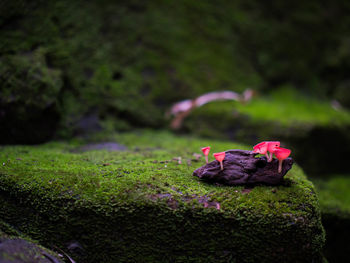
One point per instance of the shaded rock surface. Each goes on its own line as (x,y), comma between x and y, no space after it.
(241,167)
(334,198)
(145,207)
(22,251)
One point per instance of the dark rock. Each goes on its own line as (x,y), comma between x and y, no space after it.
(76,248)
(29,105)
(242,167)
(21,251)
(89,123)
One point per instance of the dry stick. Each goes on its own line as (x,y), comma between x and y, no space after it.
(69,258)
(183,108)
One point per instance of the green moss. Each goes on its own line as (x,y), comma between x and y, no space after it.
(125,63)
(334,195)
(334,199)
(291,108)
(7,230)
(284,108)
(128,63)
(141,205)
(29,81)
(29,94)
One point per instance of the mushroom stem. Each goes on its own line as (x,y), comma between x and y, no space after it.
(267,156)
(206,159)
(270,158)
(220,157)
(280,166)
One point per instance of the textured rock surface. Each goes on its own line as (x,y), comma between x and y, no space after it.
(241,167)
(21,251)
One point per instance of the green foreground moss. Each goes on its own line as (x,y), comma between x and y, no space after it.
(141,205)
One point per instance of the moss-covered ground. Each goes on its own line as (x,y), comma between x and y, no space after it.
(283,111)
(334,199)
(290,108)
(144,205)
(334,194)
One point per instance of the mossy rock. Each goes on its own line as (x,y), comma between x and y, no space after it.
(15,248)
(144,205)
(311,128)
(334,199)
(29,98)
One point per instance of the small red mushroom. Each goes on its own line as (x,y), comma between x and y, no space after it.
(271,146)
(266,148)
(220,157)
(206,151)
(281,154)
(262,149)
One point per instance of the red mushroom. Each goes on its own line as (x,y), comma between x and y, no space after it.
(220,157)
(281,154)
(266,148)
(262,149)
(206,151)
(271,146)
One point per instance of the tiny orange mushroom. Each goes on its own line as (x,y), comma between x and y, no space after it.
(220,157)
(271,146)
(261,148)
(281,154)
(206,151)
(266,148)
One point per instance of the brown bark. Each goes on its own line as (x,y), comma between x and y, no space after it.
(243,168)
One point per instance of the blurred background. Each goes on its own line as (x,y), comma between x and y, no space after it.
(74,68)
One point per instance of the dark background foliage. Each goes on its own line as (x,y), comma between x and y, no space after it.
(70,66)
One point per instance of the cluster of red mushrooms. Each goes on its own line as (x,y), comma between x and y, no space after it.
(267,148)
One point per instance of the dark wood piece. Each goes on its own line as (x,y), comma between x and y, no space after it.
(243,168)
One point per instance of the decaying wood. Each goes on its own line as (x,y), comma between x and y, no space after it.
(183,108)
(243,168)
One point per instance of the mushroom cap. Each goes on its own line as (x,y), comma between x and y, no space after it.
(281,153)
(206,150)
(271,145)
(219,156)
(260,148)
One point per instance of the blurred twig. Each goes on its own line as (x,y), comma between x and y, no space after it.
(182,109)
